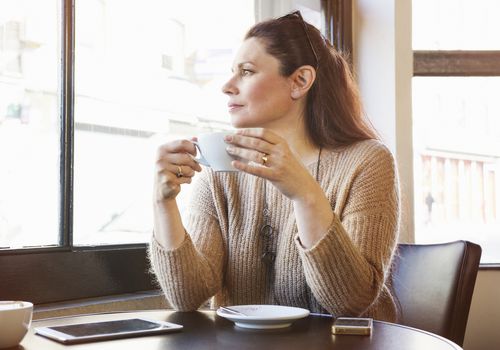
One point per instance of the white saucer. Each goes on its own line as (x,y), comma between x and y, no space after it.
(264,316)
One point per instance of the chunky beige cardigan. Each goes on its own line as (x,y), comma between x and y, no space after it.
(345,273)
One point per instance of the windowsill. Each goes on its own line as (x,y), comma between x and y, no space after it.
(146,300)
(489,266)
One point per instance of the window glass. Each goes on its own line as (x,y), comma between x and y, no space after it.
(457,161)
(456,24)
(146,72)
(29,123)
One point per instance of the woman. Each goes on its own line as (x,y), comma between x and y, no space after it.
(312,220)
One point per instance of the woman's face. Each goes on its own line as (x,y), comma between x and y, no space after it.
(258,95)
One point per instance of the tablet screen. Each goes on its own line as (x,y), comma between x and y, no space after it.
(109,327)
(84,332)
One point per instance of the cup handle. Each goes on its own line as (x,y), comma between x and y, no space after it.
(201,159)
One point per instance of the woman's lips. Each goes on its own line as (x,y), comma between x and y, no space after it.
(233,107)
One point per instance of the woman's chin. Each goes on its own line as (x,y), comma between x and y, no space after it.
(240,123)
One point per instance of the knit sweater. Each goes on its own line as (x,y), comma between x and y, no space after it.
(345,273)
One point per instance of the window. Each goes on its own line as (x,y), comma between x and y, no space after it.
(456,123)
(88,89)
(29,128)
(145,72)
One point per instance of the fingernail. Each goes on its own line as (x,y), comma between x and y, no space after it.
(230,149)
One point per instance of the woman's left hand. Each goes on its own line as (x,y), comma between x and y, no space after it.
(270,158)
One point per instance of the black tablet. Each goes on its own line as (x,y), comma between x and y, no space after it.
(87,332)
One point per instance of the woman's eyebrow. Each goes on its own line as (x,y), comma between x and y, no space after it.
(241,64)
(245,62)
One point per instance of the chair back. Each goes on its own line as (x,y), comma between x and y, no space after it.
(434,283)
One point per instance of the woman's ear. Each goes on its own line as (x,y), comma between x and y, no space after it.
(301,81)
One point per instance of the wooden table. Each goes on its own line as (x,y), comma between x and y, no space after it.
(206,330)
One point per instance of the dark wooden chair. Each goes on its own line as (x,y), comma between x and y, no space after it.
(434,283)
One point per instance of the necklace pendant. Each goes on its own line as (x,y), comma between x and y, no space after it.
(268,258)
(267,231)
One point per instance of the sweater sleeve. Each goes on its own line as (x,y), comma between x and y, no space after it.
(192,273)
(347,268)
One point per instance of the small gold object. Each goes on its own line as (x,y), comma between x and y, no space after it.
(179,172)
(264,159)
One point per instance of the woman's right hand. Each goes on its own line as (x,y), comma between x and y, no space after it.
(175,165)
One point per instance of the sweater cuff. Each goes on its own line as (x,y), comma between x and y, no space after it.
(165,261)
(158,246)
(334,229)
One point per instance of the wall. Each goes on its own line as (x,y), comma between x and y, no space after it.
(484,317)
(384,65)
(383,60)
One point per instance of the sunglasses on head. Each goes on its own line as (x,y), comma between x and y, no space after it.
(298,15)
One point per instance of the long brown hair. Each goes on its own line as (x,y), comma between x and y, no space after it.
(334,114)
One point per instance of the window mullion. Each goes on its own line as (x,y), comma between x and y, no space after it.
(456,63)
(67,122)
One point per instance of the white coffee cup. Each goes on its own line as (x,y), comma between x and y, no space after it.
(15,321)
(212,151)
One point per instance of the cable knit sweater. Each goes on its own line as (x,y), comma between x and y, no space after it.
(345,273)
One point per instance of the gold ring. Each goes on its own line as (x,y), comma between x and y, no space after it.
(179,172)
(264,159)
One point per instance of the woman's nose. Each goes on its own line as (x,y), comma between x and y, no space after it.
(229,88)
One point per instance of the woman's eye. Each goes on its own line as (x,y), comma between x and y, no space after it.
(246,72)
